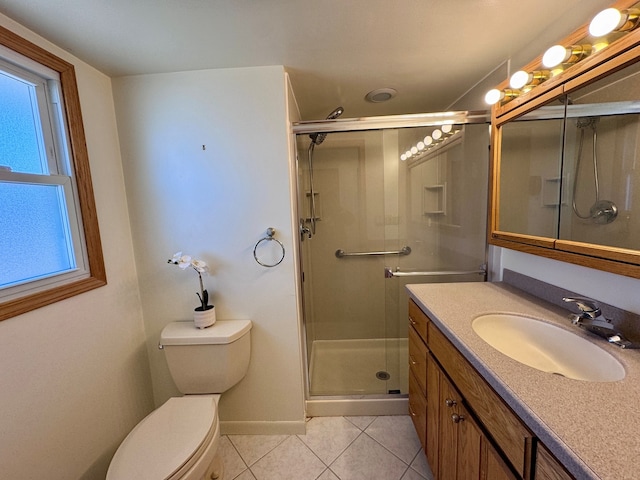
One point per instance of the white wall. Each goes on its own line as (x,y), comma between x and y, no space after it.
(215,202)
(74,375)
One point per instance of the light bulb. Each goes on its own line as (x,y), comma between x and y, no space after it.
(403,157)
(520,79)
(408,154)
(420,146)
(605,22)
(447,129)
(436,134)
(428,140)
(558,55)
(493,96)
(414,150)
(554,56)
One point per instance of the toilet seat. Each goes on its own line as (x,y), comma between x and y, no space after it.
(169,441)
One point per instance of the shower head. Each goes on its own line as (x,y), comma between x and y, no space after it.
(335,114)
(318,138)
(587,122)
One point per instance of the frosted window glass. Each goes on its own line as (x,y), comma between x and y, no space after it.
(20,133)
(35,238)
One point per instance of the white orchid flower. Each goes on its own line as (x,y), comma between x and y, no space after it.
(186,261)
(200,266)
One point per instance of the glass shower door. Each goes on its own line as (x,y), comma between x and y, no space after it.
(440,216)
(379,218)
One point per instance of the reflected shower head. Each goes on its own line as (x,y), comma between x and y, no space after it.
(318,138)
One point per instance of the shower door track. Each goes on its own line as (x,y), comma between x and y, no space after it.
(390,121)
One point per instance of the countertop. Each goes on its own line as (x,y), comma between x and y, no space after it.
(593,428)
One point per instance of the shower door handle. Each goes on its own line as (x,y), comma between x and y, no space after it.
(389,273)
(403,251)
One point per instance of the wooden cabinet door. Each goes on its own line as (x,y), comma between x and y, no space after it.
(433,415)
(417,408)
(460,438)
(493,466)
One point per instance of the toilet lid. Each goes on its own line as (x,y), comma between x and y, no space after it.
(166,440)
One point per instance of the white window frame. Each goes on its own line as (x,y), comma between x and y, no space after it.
(64,154)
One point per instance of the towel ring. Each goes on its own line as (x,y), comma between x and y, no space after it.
(270,236)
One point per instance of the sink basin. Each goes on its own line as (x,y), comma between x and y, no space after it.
(548,348)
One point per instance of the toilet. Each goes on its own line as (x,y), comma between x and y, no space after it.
(179,440)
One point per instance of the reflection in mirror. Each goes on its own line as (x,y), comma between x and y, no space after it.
(600,162)
(530,166)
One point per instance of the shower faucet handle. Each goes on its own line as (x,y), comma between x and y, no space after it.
(304,230)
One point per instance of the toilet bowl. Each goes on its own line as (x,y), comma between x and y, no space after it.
(176,441)
(179,440)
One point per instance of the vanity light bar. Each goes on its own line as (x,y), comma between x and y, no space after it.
(438,136)
(556,58)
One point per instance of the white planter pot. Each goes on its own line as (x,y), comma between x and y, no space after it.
(206,318)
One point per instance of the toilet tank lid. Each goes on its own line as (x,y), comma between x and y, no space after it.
(220,333)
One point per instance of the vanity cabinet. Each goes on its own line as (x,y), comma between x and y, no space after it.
(469,432)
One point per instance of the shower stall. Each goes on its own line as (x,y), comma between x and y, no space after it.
(382,202)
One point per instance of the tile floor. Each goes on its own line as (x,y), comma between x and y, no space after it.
(334,448)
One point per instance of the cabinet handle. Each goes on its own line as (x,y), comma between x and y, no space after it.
(412,321)
(413,414)
(412,360)
(457,418)
(450,403)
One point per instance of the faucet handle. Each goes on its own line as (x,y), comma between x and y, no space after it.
(587,306)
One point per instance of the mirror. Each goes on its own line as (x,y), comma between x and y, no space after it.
(602,162)
(530,173)
(567,174)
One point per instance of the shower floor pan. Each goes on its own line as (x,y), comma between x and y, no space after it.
(348,377)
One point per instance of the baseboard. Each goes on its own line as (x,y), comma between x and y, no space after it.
(263,428)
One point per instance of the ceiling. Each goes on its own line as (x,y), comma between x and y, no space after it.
(430,51)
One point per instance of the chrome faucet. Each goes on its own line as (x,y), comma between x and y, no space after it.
(590,318)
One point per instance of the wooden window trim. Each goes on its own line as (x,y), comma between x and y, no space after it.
(80,159)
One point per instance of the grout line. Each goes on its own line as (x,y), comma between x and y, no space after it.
(260,458)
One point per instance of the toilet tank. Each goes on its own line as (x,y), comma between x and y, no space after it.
(209,360)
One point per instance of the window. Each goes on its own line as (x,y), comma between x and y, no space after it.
(49,236)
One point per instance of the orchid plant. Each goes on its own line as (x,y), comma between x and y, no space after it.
(184,262)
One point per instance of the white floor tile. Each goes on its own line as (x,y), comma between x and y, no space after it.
(361,422)
(411,474)
(253,447)
(421,466)
(291,460)
(328,475)
(246,475)
(365,459)
(327,437)
(233,464)
(397,434)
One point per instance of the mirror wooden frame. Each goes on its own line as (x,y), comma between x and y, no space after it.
(620,53)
